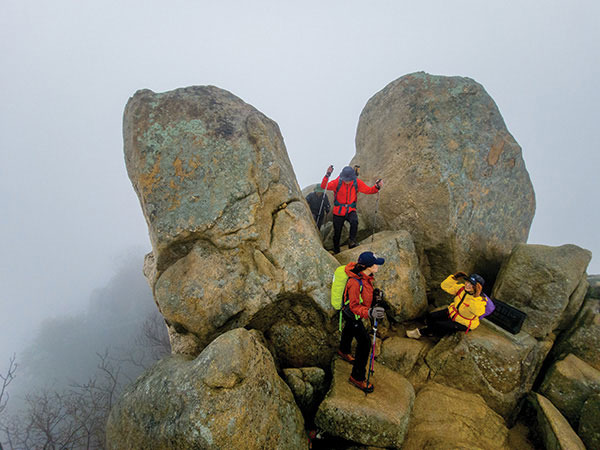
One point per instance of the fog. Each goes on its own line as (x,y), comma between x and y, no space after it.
(69,216)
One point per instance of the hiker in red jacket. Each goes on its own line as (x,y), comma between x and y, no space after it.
(346,188)
(358,300)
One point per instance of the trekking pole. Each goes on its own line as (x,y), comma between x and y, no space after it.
(322,201)
(375,216)
(372,353)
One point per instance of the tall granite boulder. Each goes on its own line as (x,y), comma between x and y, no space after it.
(454,176)
(230,232)
(488,361)
(230,396)
(400,277)
(447,418)
(548,283)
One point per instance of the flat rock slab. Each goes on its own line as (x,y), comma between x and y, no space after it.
(446,418)
(378,419)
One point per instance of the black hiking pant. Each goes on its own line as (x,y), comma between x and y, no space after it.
(439,324)
(355,329)
(338,224)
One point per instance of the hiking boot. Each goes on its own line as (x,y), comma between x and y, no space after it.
(352,244)
(362,385)
(336,250)
(413,334)
(346,356)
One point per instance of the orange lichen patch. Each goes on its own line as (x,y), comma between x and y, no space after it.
(452,145)
(180,172)
(148,180)
(496,150)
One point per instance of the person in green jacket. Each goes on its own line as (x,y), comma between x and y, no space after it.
(462,314)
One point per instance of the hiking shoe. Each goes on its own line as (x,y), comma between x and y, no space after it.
(413,334)
(346,356)
(352,244)
(362,385)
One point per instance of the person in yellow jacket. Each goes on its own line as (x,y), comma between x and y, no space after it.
(464,311)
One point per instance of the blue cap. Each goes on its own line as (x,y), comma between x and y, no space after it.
(475,278)
(347,174)
(369,259)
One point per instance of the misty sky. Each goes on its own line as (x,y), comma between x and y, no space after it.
(68,211)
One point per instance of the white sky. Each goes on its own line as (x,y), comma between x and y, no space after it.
(68,211)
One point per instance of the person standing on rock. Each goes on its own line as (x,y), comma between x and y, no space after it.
(318,204)
(464,311)
(358,305)
(346,188)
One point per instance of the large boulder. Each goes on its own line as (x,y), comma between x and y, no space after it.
(230,396)
(454,176)
(499,366)
(400,276)
(547,283)
(231,234)
(582,338)
(551,427)
(446,418)
(568,384)
(379,419)
(589,422)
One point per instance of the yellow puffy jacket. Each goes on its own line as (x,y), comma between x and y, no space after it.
(471,307)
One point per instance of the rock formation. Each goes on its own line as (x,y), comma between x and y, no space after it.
(497,365)
(239,272)
(230,232)
(454,176)
(230,396)
(547,283)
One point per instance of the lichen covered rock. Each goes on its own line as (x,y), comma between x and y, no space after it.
(230,396)
(548,283)
(454,176)
(230,232)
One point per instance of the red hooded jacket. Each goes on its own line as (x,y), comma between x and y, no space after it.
(353,293)
(347,194)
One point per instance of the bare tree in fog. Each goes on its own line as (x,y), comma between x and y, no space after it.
(6,380)
(75,417)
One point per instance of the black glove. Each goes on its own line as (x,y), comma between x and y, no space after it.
(329,171)
(458,275)
(379,184)
(377,312)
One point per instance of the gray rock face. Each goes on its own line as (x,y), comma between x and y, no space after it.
(582,338)
(554,430)
(407,357)
(379,419)
(230,396)
(308,384)
(400,277)
(454,176)
(447,418)
(568,384)
(589,422)
(547,283)
(487,361)
(230,232)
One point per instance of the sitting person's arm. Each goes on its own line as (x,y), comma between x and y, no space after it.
(451,284)
(476,305)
